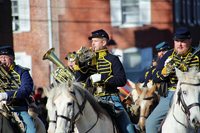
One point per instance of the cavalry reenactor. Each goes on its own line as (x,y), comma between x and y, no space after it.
(161,49)
(16,88)
(181,57)
(106,73)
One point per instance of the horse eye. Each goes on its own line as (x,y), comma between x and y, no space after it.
(151,106)
(184,92)
(69,104)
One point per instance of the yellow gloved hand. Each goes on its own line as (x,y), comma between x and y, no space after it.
(167,70)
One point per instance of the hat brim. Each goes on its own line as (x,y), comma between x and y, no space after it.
(90,38)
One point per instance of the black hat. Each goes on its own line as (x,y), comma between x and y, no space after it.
(99,33)
(182,33)
(7,50)
(162,45)
(111,42)
(155,58)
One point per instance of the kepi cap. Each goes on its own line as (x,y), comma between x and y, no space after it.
(162,45)
(111,42)
(6,50)
(181,34)
(99,33)
(155,58)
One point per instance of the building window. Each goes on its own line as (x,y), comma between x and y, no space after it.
(20,15)
(135,61)
(130,13)
(22,59)
(198,12)
(15,14)
(191,8)
(180,12)
(191,12)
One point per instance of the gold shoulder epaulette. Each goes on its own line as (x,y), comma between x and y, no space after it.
(25,68)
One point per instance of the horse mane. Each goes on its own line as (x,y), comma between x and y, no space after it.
(90,98)
(64,88)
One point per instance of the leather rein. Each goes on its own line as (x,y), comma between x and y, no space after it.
(186,108)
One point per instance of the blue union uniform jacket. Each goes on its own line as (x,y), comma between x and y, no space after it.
(16,96)
(110,68)
(178,60)
(147,76)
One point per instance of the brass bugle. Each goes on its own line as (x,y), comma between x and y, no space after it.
(61,73)
(82,55)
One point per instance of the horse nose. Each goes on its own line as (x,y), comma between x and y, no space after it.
(196,122)
(141,129)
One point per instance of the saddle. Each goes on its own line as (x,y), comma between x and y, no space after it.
(133,112)
(11,119)
(110,107)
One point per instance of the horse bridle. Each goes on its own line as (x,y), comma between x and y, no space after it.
(186,108)
(148,98)
(81,108)
(80,112)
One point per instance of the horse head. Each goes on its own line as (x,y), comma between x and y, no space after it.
(187,98)
(75,104)
(147,101)
(51,110)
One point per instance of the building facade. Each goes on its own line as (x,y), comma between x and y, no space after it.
(137,26)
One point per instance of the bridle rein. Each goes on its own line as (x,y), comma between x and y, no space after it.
(186,108)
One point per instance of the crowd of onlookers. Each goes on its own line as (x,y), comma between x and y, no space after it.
(41,100)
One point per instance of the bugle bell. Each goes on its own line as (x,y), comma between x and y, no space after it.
(61,73)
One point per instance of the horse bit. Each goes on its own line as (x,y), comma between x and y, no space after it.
(186,109)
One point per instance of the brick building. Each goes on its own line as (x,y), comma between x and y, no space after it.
(136,27)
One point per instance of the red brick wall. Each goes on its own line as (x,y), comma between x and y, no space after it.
(72,23)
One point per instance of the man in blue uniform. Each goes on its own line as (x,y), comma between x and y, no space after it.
(165,71)
(107,73)
(161,49)
(17,93)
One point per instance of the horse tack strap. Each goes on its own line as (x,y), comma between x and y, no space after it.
(81,107)
(62,116)
(190,84)
(148,98)
(53,121)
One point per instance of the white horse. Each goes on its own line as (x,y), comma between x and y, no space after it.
(51,110)
(184,115)
(73,103)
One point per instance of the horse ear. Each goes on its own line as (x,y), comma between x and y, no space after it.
(198,75)
(70,85)
(55,83)
(152,88)
(179,73)
(46,90)
(139,91)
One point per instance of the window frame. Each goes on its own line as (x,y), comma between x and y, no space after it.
(23,24)
(117,15)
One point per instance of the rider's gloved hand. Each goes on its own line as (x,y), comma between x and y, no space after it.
(168,61)
(95,78)
(3,96)
(168,67)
